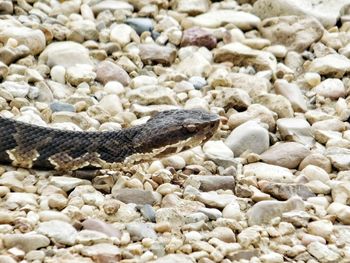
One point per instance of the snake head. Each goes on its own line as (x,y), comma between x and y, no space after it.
(173,131)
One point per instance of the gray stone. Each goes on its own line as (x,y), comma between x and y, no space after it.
(61,106)
(136,196)
(207,183)
(140,24)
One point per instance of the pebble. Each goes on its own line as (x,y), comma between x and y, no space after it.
(101,251)
(288,154)
(198,37)
(66,54)
(285,191)
(139,231)
(152,53)
(293,93)
(26,242)
(294,32)
(249,136)
(262,212)
(333,65)
(207,183)
(140,25)
(136,196)
(101,226)
(322,253)
(331,88)
(108,71)
(59,231)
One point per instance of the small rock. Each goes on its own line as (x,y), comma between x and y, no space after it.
(211,213)
(207,183)
(264,211)
(331,88)
(213,199)
(323,228)
(241,55)
(60,231)
(111,104)
(105,251)
(294,32)
(248,136)
(322,253)
(331,65)
(268,172)
(61,106)
(139,231)
(67,183)
(25,242)
(78,74)
(277,103)
(217,18)
(140,24)
(292,93)
(65,54)
(255,112)
(122,34)
(285,191)
(293,129)
(151,53)
(316,159)
(136,196)
(285,154)
(198,37)
(101,226)
(108,71)
(152,95)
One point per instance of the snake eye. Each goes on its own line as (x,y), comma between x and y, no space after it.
(191,128)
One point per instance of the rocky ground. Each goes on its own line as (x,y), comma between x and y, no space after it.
(273,185)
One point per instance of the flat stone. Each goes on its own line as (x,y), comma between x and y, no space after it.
(263,171)
(322,253)
(65,54)
(78,74)
(101,226)
(111,5)
(21,199)
(212,199)
(16,89)
(242,55)
(219,152)
(327,12)
(152,53)
(249,136)
(193,7)
(25,242)
(264,211)
(60,231)
(152,95)
(316,159)
(174,258)
(104,251)
(207,183)
(339,157)
(136,196)
(283,192)
(293,129)
(108,71)
(295,32)
(217,18)
(285,154)
(332,65)
(67,183)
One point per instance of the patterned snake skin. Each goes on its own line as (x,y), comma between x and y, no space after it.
(168,132)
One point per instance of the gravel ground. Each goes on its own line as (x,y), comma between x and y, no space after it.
(272,185)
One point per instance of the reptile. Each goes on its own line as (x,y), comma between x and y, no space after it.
(167,132)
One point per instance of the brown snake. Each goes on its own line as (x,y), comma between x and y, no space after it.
(168,132)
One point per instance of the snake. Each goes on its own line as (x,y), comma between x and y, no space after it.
(167,132)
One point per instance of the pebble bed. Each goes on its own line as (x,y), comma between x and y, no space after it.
(272,185)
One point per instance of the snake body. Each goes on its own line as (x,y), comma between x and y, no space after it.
(31,146)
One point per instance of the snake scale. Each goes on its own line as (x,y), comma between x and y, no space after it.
(31,146)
